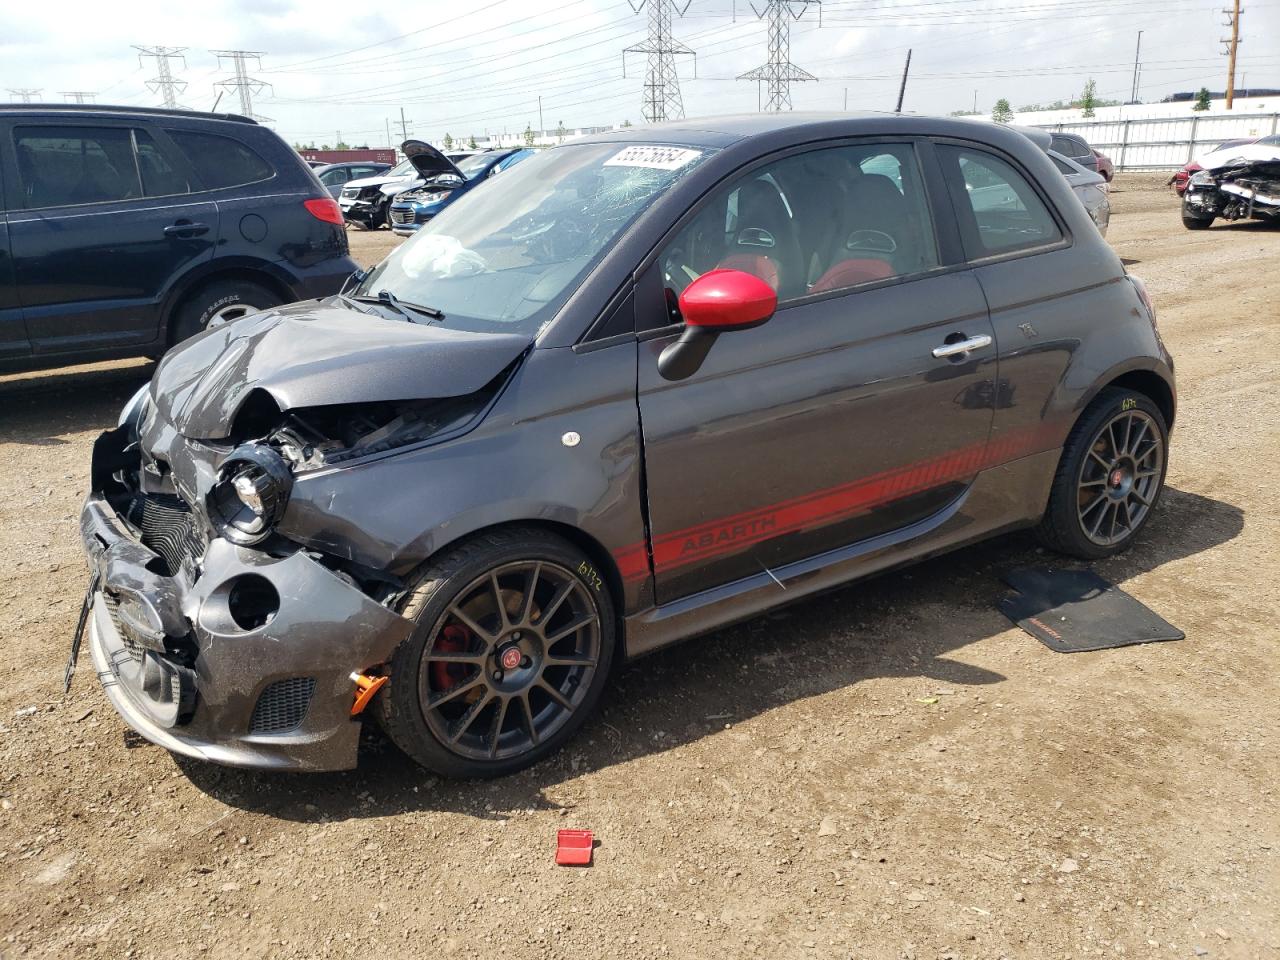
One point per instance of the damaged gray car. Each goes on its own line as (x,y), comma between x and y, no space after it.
(639,387)
(1240,182)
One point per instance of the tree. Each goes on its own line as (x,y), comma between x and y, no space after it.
(1002,113)
(448,142)
(1202,99)
(528,135)
(471,142)
(561,131)
(342,145)
(1088,99)
(324,146)
(626,123)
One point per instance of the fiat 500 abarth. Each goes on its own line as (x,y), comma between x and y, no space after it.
(636,388)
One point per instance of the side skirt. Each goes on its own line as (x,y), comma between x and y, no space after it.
(1007,497)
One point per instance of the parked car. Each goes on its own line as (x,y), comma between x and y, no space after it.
(638,387)
(444,182)
(366,202)
(1179,180)
(1075,147)
(1105,167)
(1088,186)
(334,176)
(130,229)
(1236,183)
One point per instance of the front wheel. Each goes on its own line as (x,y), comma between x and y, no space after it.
(1196,223)
(1110,476)
(512,649)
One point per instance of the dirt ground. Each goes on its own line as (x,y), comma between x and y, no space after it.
(891,771)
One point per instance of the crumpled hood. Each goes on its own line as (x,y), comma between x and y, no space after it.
(318,354)
(1240,156)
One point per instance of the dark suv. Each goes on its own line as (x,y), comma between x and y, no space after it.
(124,230)
(637,387)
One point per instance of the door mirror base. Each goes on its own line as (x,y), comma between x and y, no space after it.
(682,358)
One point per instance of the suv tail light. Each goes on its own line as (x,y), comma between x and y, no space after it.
(1145,297)
(325,209)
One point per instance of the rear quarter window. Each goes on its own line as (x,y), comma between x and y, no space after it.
(1000,212)
(221,161)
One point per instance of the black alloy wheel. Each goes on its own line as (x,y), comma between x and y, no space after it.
(513,648)
(1109,478)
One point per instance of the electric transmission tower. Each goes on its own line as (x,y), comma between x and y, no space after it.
(240,81)
(661,83)
(78,96)
(779,72)
(25,94)
(163,83)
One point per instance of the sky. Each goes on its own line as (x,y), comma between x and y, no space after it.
(471,67)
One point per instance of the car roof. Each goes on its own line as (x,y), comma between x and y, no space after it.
(105,110)
(797,126)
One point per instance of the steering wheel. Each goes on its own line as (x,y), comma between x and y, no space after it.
(875,241)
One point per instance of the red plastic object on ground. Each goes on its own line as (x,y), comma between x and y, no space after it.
(573,848)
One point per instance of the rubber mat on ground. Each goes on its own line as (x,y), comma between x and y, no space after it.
(1072,611)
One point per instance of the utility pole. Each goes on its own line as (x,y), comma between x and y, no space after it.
(541,126)
(780,72)
(975,101)
(902,90)
(387,121)
(163,83)
(26,94)
(1233,21)
(661,99)
(79,96)
(1133,93)
(240,81)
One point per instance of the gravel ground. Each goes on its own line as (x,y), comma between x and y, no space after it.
(889,771)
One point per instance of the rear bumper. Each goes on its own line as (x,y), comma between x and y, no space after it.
(324,279)
(215,690)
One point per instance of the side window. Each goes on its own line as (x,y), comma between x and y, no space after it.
(159,176)
(331,178)
(811,223)
(999,211)
(1064,168)
(221,161)
(65,166)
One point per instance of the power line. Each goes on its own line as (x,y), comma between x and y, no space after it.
(779,72)
(164,83)
(241,82)
(661,100)
(26,94)
(78,96)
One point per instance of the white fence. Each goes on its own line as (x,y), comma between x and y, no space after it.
(1166,143)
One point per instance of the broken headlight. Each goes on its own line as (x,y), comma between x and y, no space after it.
(134,412)
(1201,178)
(251,493)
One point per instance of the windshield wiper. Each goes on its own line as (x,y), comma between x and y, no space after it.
(401,307)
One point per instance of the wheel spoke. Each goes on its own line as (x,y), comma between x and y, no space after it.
(1128,431)
(574,627)
(1100,498)
(1115,517)
(496,730)
(1094,483)
(526,712)
(503,622)
(471,624)
(1106,467)
(569,660)
(1143,474)
(1133,492)
(1137,441)
(454,692)
(468,718)
(1093,534)
(530,588)
(451,656)
(551,609)
(555,694)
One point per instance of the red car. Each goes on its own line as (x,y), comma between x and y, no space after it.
(1105,166)
(1179,180)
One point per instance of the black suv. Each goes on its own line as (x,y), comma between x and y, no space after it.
(124,230)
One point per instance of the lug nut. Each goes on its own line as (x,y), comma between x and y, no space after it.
(497,675)
(516,635)
(525,661)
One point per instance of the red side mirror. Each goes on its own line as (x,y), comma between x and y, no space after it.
(723,300)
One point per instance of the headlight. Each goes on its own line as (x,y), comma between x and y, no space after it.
(1201,178)
(135,411)
(251,493)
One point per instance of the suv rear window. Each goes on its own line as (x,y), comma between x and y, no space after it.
(221,161)
(66,166)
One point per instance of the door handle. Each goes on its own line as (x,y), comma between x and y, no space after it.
(186,229)
(962,346)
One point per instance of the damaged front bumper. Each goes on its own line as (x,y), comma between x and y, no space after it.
(244,658)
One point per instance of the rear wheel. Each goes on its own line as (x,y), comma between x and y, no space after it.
(219,302)
(1110,476)
(512,649)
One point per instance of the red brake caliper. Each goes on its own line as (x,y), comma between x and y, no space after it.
(452,639)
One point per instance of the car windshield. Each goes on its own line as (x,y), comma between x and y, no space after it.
(470,166)
(505,256)
(404,168)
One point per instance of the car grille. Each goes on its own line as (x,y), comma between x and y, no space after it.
(168,528)
(283,705)
(401,216)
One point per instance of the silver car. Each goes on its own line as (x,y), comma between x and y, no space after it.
(1089,186)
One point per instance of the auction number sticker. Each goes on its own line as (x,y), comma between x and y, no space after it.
(655,158)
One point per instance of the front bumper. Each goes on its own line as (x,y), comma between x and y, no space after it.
(275,696)
(408,219)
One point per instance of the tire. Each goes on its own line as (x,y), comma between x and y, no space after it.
(460,656)
(1196,223)
(1113,463)
(217,302)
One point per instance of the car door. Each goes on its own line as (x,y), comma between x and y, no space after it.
(13,331)
(837,420)
(104,221)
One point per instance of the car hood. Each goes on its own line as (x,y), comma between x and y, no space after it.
(379,181)
(1240,156)
(427,160)
(319,354)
